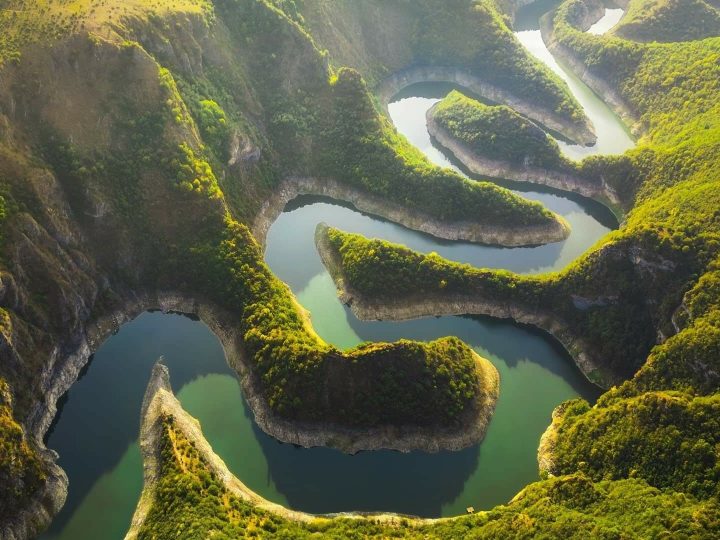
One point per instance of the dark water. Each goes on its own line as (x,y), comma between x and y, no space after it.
(96,431)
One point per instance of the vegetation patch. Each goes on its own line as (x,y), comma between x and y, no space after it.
(21,470)
(669,20)
(497,132)
(191,501)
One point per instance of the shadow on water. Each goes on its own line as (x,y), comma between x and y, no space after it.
(99,416)
(502,340)
(414,483)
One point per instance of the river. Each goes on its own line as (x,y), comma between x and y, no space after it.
(96,429)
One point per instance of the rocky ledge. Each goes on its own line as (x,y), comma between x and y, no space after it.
(555,231)
(581,132)
(444,305)
(545,455)
(480,165)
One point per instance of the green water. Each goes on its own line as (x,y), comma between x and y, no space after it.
(613,137)
(96,429)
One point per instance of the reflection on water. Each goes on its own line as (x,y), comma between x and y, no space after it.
(95,433)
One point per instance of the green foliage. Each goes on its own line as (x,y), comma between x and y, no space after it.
(668,439)
(364,150)
(619,334)
(326,125)
(194,174)
(481,41)
(379,269)
(313,122)
(373,384)
(669,20)
(498,133)
(21,471)
(192,502)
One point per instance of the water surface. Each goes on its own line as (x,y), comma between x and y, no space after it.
(607,22)
(96,430)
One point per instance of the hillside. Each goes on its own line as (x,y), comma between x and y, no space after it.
(140,140)
(496,132)
(643,303)
(669,20)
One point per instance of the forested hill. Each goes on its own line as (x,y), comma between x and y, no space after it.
(138,142)
(139,139)
(645,300)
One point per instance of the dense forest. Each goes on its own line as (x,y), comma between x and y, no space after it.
(645,298)
(139,140)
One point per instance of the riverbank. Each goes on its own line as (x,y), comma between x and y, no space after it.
(476,164)
(291,188)
(159,402)
(447,305)
(224,325)
(608,94)
(581,133)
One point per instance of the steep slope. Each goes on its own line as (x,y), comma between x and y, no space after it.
(137,142)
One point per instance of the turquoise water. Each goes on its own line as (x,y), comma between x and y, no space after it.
(96,430)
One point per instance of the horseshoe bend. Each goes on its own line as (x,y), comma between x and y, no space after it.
(344,269)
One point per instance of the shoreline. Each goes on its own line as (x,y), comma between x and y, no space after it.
(476,164)
(556,231)
(583,134)
(455,305)
(160,400)
(606,93)
(40,512)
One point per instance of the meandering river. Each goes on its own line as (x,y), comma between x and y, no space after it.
(96,429)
